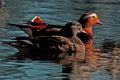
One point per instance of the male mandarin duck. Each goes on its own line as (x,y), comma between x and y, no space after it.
(67,43)
(87,20)
(37,27)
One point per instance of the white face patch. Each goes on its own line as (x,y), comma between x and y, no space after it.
(91,15)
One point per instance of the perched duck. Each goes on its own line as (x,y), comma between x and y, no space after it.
(66,44)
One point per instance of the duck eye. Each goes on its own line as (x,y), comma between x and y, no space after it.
(93,16)
(78,25)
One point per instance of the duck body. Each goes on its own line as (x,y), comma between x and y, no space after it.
(55,46)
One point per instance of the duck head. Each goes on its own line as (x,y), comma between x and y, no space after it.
(72,28)
(89,19)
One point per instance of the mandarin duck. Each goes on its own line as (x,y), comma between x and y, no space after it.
(67,43)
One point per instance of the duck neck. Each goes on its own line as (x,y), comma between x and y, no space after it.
(88,29)
(75,39)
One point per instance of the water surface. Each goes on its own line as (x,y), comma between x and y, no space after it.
(60,12)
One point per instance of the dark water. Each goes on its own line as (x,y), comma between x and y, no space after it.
(59,12)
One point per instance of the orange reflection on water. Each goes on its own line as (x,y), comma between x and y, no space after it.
(91,53)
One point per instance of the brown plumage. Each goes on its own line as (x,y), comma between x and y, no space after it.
(68,44)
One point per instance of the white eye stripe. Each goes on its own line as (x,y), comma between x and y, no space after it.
(91,15)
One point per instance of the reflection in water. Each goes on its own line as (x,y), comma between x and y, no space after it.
(87,71)
(74,68)
(97,66)
(91,55)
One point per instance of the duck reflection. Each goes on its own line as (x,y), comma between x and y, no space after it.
(81,70)
(107,69)
(105,65)
(97,63)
